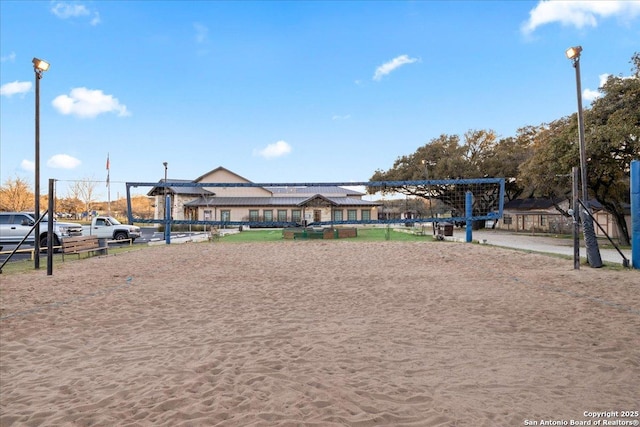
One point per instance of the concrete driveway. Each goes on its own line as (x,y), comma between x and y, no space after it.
(546,244)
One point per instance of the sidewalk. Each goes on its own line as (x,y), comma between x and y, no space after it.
(539,244)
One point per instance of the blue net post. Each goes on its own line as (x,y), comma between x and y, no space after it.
(635,214)
(468,205)
(167,219)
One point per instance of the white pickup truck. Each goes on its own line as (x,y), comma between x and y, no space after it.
(14,226)
(107,227)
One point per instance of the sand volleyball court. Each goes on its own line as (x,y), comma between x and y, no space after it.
(318,333)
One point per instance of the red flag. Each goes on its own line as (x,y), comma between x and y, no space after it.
(107,162)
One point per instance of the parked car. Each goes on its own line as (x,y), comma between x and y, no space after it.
(14,226)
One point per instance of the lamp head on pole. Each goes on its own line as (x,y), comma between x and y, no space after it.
(39,66)
(165,175)
(573,53)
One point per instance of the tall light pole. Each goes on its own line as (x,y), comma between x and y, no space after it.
(165,164)
(39,67)
(590,238)
(426,169)
(164,192)
(166,210)
(573,53)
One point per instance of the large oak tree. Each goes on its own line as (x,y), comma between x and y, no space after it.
(613,137)
(539,159)
(612,140)
(479,154)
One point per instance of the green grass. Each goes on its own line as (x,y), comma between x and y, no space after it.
(364,235)
(22,266)
(253,236)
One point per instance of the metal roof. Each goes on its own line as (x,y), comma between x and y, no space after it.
(311,191)
(183,189)
(284,191)
(276,201)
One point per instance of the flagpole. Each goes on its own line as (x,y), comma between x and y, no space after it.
(108,188)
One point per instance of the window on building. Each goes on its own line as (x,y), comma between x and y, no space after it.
(207,215)
(352,214)
(296,215)
(543,220)
(268,215)
(282,215)
(337,215)
(254,215)
(225,216)
(507,220)
(366,214)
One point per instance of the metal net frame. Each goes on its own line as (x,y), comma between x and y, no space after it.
(487,195)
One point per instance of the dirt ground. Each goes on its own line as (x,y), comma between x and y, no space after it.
(318,333)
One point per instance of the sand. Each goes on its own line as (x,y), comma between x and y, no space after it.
(318,333)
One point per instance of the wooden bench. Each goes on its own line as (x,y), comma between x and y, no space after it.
(82,244)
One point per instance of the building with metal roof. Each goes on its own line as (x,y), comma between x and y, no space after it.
(269,205)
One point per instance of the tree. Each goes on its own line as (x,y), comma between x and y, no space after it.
(16,195)
(69,205)
(446,157)
(539,159)
(612,140)
(505,157)
(141,206)
(547,173)
(84,190)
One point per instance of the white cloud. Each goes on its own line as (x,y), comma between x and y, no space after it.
(28,165)
(390,66)
(590,94)
(10,58)
(69,10)
(13,88)
(202,38)
(64,10)
(338,117)
(603,79)
(86,103)
(202,32)
(579,13)
(271,151)
(95,20)
(63,161)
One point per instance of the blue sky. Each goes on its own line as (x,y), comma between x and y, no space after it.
(318,91)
